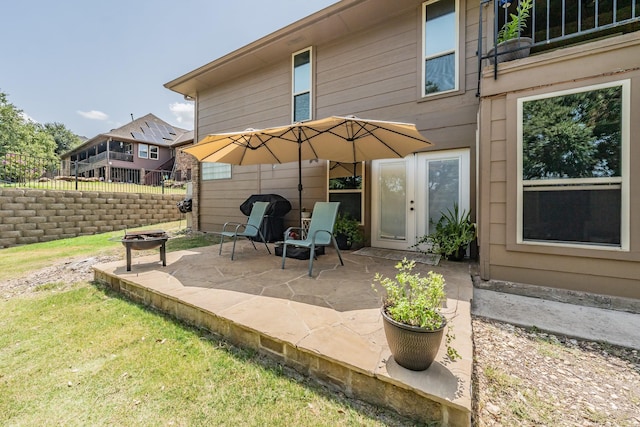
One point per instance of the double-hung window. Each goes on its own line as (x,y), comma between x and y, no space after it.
(302,77)
(346,185)
(440,46)
(143,151)
(573,167)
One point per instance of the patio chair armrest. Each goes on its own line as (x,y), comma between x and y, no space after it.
(237,224)
(313,238)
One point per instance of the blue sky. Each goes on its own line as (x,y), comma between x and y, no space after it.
(91,64)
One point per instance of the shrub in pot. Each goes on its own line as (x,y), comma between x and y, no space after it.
(413,322)
(453,233)
(347,231)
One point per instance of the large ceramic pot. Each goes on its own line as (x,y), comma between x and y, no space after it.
(514,48)
(412,347)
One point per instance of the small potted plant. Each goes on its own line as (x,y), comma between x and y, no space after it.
(509,40)
(347,231)
(413,322)
(453,233)
(305,213)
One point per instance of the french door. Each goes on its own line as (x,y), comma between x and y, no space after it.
(408,195)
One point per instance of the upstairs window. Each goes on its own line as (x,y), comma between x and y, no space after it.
(573,159)
(143,151)
(302,86)
(440,50)
(153,152)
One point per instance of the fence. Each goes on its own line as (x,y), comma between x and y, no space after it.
(25,171)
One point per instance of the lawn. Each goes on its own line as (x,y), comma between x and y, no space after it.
(83,355)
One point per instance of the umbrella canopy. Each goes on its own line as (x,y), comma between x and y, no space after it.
(341,139)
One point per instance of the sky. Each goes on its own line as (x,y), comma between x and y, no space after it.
(91,64)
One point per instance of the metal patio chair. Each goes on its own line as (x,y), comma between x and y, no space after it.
(250,229)
(320,232)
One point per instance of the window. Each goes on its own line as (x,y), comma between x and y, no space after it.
(153,152)
(440,50)
(346,187)
(143,151)
(302,86)
(573,166)
(215,171)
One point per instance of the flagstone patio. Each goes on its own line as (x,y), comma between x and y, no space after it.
(328,327)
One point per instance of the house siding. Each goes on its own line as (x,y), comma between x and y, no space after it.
(373,74)
(608,272)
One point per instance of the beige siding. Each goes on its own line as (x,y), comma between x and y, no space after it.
(607,272)
(373,74)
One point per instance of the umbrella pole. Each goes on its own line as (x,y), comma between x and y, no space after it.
(299,178)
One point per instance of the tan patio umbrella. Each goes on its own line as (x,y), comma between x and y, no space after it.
(341,139)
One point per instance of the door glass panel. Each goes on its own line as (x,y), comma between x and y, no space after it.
(393,201)
(443,189)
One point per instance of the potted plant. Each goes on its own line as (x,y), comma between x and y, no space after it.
(413,322)
(453,233)
(347,231)
(509,40)
(304,213)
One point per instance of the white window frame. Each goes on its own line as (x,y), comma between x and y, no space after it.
(623,180)
(349,191)
(456,50)
(293,83)
(215,171)
(143,151)
(154,152)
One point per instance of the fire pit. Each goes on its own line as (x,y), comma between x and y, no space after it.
(145,240)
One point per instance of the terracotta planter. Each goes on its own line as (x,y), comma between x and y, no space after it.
(412,347)
(522,44)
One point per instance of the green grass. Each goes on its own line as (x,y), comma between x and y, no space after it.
(83,355)
(114,187)
(39,255)
(88,357)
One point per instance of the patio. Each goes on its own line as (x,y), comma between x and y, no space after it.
(327,327)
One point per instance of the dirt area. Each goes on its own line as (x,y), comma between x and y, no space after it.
(521,377)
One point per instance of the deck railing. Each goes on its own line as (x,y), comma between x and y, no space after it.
(25,171)
(556,23)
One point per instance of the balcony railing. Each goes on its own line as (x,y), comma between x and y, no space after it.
(555,23)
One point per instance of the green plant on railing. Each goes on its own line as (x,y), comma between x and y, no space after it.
(516,22)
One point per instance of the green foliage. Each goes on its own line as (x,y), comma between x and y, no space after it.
(454,231)
(573,136)
(416,300)
(349,227)
(64,138)
(20,135)
(516,23)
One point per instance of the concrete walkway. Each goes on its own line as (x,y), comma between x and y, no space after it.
(589,323)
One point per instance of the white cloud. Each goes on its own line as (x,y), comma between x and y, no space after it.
(93,115)
(183,112)
(27,118)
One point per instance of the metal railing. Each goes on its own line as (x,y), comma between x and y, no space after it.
(556,23)
(24,171)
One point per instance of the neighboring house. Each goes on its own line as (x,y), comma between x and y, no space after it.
(543,223)
(140,152)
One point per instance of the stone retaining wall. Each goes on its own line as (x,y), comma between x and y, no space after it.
(31,216)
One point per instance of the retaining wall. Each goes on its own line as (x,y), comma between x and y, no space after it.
(31,216)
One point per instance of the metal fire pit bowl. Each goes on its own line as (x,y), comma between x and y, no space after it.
(145,240)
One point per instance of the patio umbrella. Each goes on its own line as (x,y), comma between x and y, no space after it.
(341,139)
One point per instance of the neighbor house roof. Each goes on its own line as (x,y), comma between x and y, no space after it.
(336,21)
(147,129)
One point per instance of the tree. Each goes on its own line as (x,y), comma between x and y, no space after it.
(64,138)
(22,136)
